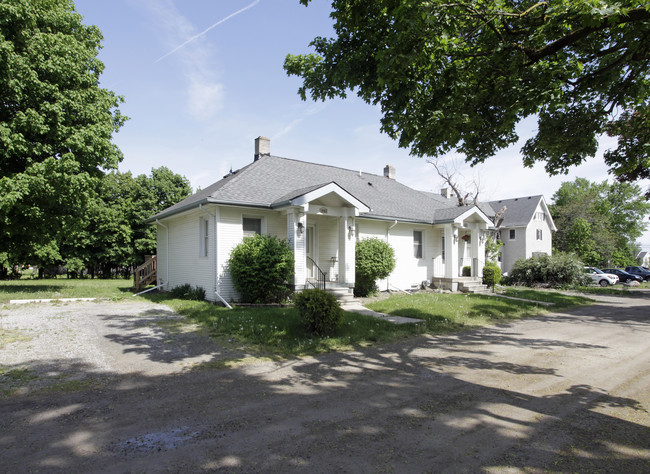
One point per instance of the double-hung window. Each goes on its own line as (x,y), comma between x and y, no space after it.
(203,237)
(417,243)
(251,226)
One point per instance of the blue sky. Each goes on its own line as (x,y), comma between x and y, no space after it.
(202,78)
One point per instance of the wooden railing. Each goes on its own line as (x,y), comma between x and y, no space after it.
(146,273)
(320,276)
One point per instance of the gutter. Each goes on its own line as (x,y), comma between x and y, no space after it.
(214,259)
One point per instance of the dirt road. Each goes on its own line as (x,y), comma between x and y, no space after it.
(560,393)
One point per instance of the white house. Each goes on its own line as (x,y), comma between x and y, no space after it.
(526,229)
(643,258)
(322,211)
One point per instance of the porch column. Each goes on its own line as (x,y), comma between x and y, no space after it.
(347,244)
(296,240)
(476,252)
(451,251)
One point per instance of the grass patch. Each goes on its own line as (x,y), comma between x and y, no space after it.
(64,288)
(559,300)
(444,313)
(618,290)
(279,332)
(9,336)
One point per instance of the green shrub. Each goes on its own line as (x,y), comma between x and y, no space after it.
(319,311)
(559,270)
(375,259)
(188,292)
(491,275)
(261,268)
(467,271)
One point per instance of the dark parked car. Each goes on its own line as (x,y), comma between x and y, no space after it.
(640,271)
(622,275)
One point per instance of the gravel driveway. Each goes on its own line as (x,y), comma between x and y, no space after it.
(115,389)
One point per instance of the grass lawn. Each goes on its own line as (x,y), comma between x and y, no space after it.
(453,312)
(559,300)
(279,332)
(64,288)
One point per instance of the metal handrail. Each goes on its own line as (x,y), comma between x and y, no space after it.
(321,275)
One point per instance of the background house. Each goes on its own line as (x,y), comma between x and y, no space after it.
(526,229)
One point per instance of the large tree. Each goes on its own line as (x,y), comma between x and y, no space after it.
(600,222)
(462,74)
(56,124)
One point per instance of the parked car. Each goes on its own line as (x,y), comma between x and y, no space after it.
(601,278)
(642,272)
(622,275)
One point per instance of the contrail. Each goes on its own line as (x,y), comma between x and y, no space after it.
(197,36)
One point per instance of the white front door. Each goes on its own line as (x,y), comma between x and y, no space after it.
(309,251)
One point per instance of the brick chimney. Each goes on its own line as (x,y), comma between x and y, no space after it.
(262,147)
(389,172)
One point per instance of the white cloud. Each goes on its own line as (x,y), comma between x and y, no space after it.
(205,97)
(203,92)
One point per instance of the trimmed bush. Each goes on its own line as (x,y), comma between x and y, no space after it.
(375,259)
(559,270)
(319,311)
(491,275)
(261,268)
(188,292)
(467,271)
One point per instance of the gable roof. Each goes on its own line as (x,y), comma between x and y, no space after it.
(520,211)
(271,181)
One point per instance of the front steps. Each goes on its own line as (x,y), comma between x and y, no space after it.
(343,294)
(472,285)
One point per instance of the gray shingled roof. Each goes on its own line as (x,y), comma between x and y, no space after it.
(272,179)
(519,210)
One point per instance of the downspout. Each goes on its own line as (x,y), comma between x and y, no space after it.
(216,287)
(388,235)
(167,251)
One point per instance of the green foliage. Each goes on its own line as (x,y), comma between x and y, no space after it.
(319,311)
(492,248)
(375,259)
(467,271)
(491,274)
(56,124)
(463,74)
(631,160)
(261,268)
(599,222)
(559,270)
(188,292)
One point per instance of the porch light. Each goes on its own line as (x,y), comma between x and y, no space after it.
(301,228)
(351,231)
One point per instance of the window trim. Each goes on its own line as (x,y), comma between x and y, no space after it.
(257,218)
(204,237)
(512,234)
(539,235)
(418,246)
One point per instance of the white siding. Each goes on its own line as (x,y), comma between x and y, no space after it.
(185,264)
(409,270)
(512,249)
(533,245)
(230,234)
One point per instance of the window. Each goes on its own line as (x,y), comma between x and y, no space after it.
(513,234)
(251,226)
(540,216)
(417,243)
(203,237)
(538,234)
